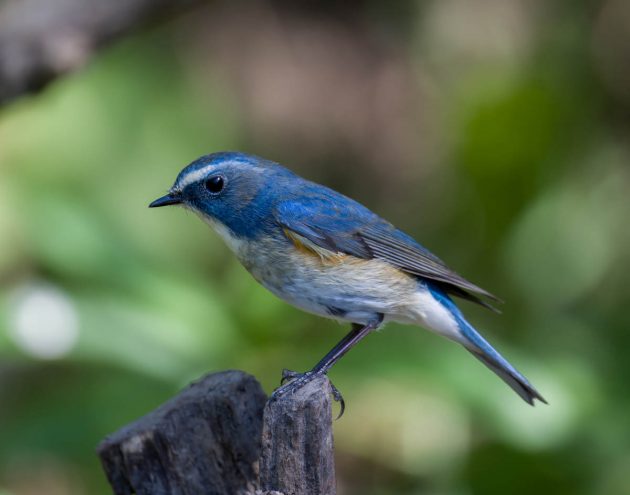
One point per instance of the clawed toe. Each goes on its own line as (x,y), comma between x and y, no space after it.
(338,398)
(295,382)
(292,381)
(288,375)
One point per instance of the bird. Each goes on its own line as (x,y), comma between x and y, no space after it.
(329,255)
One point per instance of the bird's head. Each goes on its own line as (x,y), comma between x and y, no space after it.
(231,188)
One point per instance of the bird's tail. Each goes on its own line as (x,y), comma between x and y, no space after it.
(509,375)
(482,350)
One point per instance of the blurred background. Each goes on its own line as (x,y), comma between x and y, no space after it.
(496,132)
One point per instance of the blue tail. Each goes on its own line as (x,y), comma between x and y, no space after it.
(482,350)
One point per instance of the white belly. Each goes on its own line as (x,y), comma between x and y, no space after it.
(343,287)
(349,288)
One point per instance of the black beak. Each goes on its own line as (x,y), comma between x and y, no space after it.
(169,199)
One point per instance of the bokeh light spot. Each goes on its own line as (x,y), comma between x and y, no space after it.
(43,321)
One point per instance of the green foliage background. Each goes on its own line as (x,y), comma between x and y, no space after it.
(525,192)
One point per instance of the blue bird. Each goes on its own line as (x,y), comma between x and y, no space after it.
(329,255)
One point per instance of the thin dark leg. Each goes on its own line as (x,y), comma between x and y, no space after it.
(344,345)
(321,368)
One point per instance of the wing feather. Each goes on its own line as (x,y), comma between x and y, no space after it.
(359,232)
(391,246)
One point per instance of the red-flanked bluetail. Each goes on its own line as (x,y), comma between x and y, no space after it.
(329,255)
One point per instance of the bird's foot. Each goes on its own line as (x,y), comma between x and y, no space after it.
(292,381)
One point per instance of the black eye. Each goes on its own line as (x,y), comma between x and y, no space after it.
(215,184)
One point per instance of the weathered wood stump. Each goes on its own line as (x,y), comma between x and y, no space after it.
(217,437)
(297,445)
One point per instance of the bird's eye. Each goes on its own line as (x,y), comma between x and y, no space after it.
(215,184)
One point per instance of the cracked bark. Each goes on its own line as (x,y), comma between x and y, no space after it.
(220,436)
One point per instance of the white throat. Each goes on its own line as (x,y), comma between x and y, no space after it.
(233,242)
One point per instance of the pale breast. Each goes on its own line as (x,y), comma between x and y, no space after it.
(339,286)
(334,285)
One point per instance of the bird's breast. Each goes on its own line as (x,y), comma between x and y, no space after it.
(335,285)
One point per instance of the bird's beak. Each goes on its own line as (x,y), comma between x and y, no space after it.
(169,199)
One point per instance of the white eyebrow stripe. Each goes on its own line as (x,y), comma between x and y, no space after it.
(193,177)
(198,174)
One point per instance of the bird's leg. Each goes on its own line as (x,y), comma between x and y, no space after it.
(298,380)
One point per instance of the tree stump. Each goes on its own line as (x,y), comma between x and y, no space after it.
(297,455)
(217,437)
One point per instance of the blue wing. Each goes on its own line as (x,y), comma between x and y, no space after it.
(336,223)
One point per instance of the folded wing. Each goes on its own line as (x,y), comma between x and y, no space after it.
(353,229)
